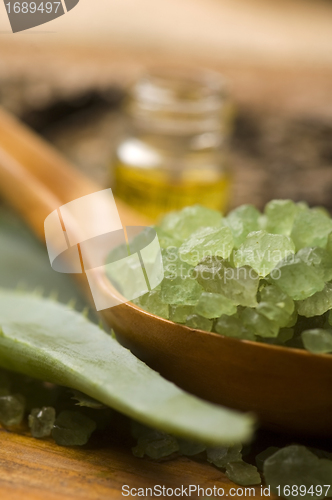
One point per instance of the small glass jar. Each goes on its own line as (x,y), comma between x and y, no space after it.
(175,153)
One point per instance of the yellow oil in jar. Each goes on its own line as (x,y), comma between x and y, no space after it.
(155,192)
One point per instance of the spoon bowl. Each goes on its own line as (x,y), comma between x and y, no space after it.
(289,389)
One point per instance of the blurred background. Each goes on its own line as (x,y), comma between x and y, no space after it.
(70,80)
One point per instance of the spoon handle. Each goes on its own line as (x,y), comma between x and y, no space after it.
(28,162)
(25,193)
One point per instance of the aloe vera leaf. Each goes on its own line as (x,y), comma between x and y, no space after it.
(46,340)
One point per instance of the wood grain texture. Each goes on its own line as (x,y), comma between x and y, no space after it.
(32,469)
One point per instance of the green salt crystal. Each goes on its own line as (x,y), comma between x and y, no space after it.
(11,409)
(205,242)
(304,323)
(139,450)
(242,221)
(161,447)
(264,455)
(318,258)
(237,284)
(295,466)
(169,255)
(240,285)
(181,224)
(169,222)
(210,272)
(232,326)
(262,251)
(276,305)
(179,314)
(292,319)
(274,313)
(280,216)
(329,243)
(317,340)
(262,221)
(311,228)
(302,205)
(243,474)
(296,278)
(180,291)
(198,322)
(190,448)
(121,276)
(174,266)
(72,429)
(166,240)
(213,305)
(221,455)
(285,335)
(41,421)
(274,295)
(152,303)
(260,325)
(320,209)
(155,444)
(317,304)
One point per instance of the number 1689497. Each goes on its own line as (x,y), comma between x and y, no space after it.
(32,7)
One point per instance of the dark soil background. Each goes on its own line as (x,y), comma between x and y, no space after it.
(272,156)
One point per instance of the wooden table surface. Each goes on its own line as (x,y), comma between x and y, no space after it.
(32,469)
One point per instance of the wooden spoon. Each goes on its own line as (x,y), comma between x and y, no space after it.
(289,389)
